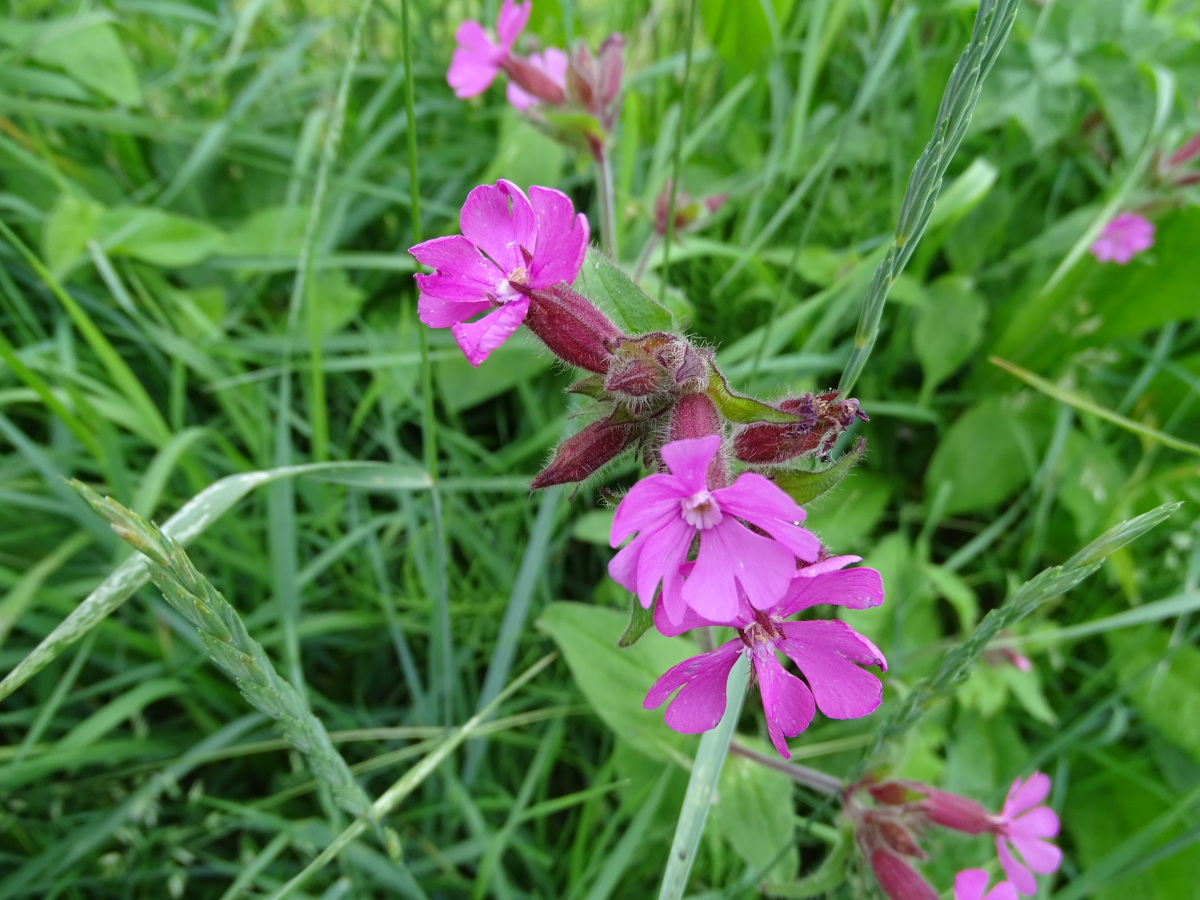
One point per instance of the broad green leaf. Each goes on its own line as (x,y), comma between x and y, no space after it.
(633,311)
(843,518)
(755,814)
(991,451)
(615,680)
(191,520)
(594,527)
(87,49)
(743,33)
(1165,683)
(273,231)
(460,386)
(804,487)
(949,329)
(70,224)
(157,237)
(337,299)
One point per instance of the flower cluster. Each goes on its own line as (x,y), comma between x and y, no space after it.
(583,86)
(887,832)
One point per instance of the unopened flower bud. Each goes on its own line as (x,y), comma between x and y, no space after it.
(533,80)
(898,879)
(572,328)
(637,376)
(612,67)
(694,416)
(952,811)
(592,447)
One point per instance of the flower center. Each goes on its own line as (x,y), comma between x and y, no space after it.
(701,510)
(763,633)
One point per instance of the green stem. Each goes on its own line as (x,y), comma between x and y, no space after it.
(608,203)
(710,758)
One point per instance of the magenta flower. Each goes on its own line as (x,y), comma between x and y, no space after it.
(552,63)
(669,511)
(1023,823)
(478,58)
(511,245)
(1123,237)
(970,884)
(825,651)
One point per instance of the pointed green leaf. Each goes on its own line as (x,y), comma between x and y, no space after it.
(633,311)
(640,620)
(804,487)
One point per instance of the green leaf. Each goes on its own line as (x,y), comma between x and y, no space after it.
(640,620)
(742,32)
(70,224)
(755,814)
(191,520)
(615,680)
(274,231)
(737,408)
(804,487)
(337,300)
(991,451)
(460,386)
(843,518)
(157,237)
(633,311)
(1165,684)
(88,50)
(949,329)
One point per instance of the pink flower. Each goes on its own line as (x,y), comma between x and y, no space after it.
(970,884)
(1023,824)
(477,58)
(511,245)
(825,651)
(1123,237)
(552,63)
(669,511)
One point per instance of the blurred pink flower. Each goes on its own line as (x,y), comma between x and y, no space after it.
(1023,823)
(825,651)
(511,245)
(970,884)
(551,62)
(669,511)
(1125,235)
(478,58)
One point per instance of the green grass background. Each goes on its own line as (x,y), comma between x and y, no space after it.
(205,212)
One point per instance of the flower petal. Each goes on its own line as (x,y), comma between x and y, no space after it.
(826,653)
(701,682)
(498,219)
(787,702)
(1039,822)
(688,461)
(970,884)
(851,588)
(478,339)
(511,21)
(649,504)
(662,553)
(1020,876)
(1041,856)
(1023,795)
(765,504)
(562,239)
(475,63)
(675,622)
(730,556)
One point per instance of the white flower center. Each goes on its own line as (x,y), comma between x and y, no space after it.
(701,510)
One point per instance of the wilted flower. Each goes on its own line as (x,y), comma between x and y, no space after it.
(1123,237)
(825,651)
(669,511)
(478,58)
(511,245)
